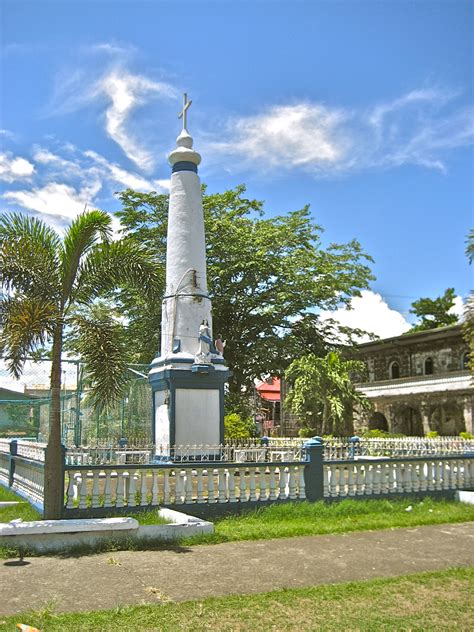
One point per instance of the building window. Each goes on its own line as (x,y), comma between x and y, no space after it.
(394,370)
(429,366)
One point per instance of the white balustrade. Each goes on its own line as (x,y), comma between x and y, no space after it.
(262,486)
(4,468)
(231,485)
(28,479)
(108,489)
(399,476)
(152,486)
(31,450)
(5,446)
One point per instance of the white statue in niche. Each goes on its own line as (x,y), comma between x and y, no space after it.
(205,344)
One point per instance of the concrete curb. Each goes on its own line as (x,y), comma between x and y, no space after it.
(59,535)
(465,497)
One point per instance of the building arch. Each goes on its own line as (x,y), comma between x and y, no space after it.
(394,369)
(447,418)
(378,421)
(407,420)
(429,366)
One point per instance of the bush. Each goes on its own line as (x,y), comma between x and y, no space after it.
(466,435)
(237,428)
(432,434)
(381,434)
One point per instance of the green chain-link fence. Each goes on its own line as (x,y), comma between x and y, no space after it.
(25,403)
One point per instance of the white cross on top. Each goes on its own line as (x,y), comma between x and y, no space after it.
(184,111)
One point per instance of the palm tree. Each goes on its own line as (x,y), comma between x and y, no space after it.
(48,284)
(322,392)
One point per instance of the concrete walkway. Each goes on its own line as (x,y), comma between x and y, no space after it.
(108,580)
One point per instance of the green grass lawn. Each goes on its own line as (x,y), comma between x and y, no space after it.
(282,521)
(425,601)
(24,511)
(294,519)
(150,516)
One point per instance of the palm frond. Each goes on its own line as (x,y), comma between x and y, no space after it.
(100,340)
(28,255)
(18,226)
(117,264)
(84,232)
(25,322)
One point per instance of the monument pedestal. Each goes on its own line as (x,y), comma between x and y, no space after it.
(188,406)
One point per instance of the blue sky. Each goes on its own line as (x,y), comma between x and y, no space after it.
(364,110)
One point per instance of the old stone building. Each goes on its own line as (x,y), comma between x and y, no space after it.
(419,383)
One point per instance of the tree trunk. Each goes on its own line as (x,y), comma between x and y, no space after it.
(54,460)
(327,423)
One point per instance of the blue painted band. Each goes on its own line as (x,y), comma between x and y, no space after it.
(184,165)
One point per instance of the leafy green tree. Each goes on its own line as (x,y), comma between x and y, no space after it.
(433,313)
(322,392)
(468,324)
(267,279)
(45,279)
(470,246)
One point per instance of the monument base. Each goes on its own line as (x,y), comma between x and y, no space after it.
(188,410)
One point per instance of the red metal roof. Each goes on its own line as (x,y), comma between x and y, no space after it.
(270,391)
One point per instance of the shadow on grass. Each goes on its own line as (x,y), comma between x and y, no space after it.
(109,546)
(106,546)
(20,562)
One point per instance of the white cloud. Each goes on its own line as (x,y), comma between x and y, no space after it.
(14,168)
(56,199)
(417,128)
(123,93)
(6,133)
(295,135)
(127,178)
(458,307)
(372,314)
(115,50)
(89,164)
(126,92)
(55,165)
(66,179)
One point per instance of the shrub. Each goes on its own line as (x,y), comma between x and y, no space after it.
(432,434)
(237,428)
(381,434)
(466,435)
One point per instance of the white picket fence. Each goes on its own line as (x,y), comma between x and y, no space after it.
(401,476)
(153,486)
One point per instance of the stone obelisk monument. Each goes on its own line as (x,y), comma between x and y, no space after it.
(188,376)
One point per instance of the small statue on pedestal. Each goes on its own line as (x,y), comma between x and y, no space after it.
(205,344)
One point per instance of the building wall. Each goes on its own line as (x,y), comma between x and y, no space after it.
(447,412)
(447,355)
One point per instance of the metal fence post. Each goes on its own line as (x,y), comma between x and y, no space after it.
(354,447)
(313,472)
(11,462)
